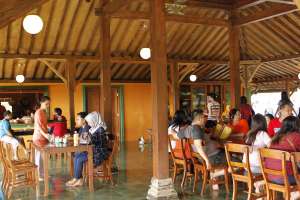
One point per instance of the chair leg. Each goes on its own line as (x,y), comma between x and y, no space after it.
(174,173)
(196,174)
(274,195)
(184,177)
(12,185)
(234,195)
(226,179)
(287,196)
(250,191)
(204,182)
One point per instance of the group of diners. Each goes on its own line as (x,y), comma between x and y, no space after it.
(255,130)
(88,124)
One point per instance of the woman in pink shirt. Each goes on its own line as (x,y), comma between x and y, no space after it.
(40,134)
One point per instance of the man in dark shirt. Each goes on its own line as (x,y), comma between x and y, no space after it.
(207,148)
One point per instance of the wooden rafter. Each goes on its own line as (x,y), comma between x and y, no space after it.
(254,73)
(13,9)
(186,71)
(242,4)
(55,71)
(189,19)
(274,11)
(205,4)
(116,5)
(297,2)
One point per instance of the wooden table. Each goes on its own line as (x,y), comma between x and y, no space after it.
(47,150)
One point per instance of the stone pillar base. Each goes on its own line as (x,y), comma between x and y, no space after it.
(162,189)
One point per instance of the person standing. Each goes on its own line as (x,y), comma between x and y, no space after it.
(214,109)
(40,134)
(246,110)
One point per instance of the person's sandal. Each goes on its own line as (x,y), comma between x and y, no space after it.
(78,183)
(71,182)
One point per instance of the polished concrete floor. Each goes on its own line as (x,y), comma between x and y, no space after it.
(132,182)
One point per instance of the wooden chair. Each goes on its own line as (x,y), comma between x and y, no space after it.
(18,173)
(104,171)
(201,167)
(108,164)
(272,187)
(179,162)
(241,172)
(295,162)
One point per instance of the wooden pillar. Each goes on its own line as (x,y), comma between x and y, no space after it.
(297,2)
(175,88)
(105,74)
(161,183)
(71,83)
(234,65)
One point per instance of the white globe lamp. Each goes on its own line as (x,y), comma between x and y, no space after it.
(145,53)
(33,24)
(193,78)
(20,78)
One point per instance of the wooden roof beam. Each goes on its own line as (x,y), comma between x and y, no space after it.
(116,5)
(204,4)
(242,4)
(274,11)
(282,58)
(55,71)
(189,19)
(13,9)
(281,79)
(297,2)
(197,20)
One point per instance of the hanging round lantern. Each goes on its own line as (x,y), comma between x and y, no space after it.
(20,78)
(193,77)
(33,24)
(145,53)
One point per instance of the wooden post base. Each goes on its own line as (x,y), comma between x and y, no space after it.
(162,189)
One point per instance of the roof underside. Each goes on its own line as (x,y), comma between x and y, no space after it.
(71,28)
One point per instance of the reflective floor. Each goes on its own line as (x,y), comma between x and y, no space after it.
(132,181)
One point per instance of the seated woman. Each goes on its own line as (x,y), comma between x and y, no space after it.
(287,139)
(59,125)
(6,134)
(238,125)
(269,117)
(100,147)
(257,138)
(178,122)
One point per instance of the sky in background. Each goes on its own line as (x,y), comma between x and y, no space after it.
(268,102)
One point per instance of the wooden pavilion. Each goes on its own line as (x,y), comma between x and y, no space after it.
(240,46)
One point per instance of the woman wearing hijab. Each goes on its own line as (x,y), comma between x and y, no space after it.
(100,148)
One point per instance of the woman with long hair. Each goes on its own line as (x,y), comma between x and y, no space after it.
(178,122)
(286,139)
(257,138)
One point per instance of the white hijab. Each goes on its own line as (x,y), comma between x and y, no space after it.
(94,120)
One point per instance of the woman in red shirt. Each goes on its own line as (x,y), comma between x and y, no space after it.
(285,110)
(287,139)
(59,125)
(238,125)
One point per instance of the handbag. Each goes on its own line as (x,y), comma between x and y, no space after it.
(85,138)
(223,131)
